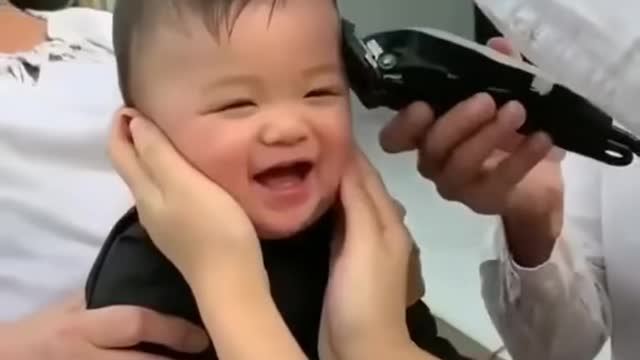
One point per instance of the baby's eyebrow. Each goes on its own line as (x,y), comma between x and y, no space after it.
(231,80)
(322,69)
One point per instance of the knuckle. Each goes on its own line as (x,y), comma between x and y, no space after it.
(448,193)
(425,168)
(400,209)
(460,164)
(418,116)
(480,205)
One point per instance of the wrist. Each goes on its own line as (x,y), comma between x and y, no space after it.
(230,284)
(242,266)
(377,345)
(531,236)
(246,314)
(406,350)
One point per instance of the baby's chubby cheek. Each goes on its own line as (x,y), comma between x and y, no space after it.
(222,159)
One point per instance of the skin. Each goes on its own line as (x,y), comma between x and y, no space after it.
(174,196)
(238,104)
(474,156)
(490,185)
(226,273)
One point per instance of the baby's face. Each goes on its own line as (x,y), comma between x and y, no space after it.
(264,113)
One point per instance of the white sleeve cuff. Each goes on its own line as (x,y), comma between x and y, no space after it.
(551,276)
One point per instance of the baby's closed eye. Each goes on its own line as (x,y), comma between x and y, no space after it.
(235,104)
(322,92)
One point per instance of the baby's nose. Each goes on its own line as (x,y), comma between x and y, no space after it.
(285,132)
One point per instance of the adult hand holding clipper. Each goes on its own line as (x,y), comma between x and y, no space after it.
(396,68)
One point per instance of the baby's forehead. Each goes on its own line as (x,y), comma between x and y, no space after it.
(194,40)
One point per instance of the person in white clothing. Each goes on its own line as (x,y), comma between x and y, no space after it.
(59,195)
(564,278)
(562,293)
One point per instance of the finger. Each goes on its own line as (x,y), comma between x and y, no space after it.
(514,168)
(503,45)
(337,242)
(556,154)
(465,165)
(125,160)
(400,209)
(361,221)
(125,326)
(385,206)
(125,355)
(453,128)
(75,302)
(407,128)
(415,285)
(163,163)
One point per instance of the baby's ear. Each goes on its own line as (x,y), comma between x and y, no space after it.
(122,118)
(125,114)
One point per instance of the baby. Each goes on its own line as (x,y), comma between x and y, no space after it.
(253,94)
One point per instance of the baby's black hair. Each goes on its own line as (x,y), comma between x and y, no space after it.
(132,19)
(42,5)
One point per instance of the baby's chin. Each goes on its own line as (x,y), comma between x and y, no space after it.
(284,226)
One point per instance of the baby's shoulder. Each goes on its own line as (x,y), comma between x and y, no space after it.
(127,226)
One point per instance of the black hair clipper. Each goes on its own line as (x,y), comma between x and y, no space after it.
(395,68)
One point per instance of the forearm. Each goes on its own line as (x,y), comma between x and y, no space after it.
(405,351)
(415,353)
(243,321)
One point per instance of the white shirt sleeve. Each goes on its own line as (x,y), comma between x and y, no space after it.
(559,310)
(59,195)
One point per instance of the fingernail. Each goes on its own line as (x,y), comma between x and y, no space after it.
(481,98)
(482,102)
(516,114)
(542,142)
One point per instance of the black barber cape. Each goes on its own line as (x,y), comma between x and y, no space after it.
(130,270)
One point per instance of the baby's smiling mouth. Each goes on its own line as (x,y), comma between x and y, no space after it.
(284,176)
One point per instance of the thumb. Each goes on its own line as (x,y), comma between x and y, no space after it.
(120,327)
(339,235)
